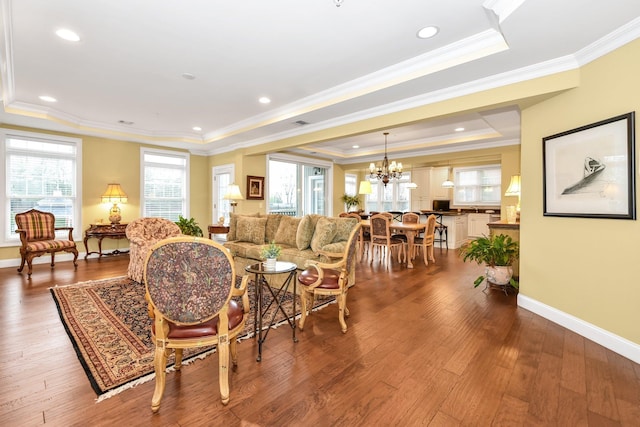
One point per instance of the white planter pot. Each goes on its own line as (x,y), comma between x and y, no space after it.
(270,264)
(499,275)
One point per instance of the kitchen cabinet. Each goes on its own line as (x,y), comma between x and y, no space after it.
(457,230)
(420,197)
(438,176)
(478,224)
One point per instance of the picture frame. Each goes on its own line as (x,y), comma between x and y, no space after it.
(255,188)
(589,172)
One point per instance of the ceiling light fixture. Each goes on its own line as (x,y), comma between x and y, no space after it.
(338,3)
(427,32)
(197,128)
(387,171)
(264,100)
(460,129)
(355,146)
(47,98)
(68,35)
(189,76)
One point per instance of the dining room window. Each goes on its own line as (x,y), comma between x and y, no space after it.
(479,185)
(395,196)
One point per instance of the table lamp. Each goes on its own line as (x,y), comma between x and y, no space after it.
(233,195)
(114,194)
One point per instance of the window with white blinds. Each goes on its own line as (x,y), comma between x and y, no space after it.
(42,172)
(165,183)
(477,186)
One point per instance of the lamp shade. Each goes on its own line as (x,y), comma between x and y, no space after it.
(412,186)
(448,184)
(514,186)
(365,187)
(114,194)
(233,193)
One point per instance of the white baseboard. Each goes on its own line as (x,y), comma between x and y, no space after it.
(44,259)
(613,342)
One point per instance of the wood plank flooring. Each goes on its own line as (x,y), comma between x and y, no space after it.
(423,348)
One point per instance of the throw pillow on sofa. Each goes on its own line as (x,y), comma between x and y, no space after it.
(343,228)
(306,228)
(324,234)
(273,222)
(233,224)
(251,229)
(287,231)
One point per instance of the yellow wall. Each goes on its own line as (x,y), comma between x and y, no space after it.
(584,267)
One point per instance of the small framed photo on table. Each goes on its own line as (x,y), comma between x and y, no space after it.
(589,171)
(255,187)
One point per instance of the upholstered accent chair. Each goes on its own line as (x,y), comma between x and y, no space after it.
(382,240)
(329,279)
(425,244)
(143,233)
(190,284)
(38,237)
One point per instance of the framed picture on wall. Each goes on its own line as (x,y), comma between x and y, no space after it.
(589,172)
(255,187)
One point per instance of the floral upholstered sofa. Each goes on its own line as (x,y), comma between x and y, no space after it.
(311,237)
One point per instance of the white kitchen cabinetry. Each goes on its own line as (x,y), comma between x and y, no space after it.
(457,230)
(420,197)
(478,224)
(438,176)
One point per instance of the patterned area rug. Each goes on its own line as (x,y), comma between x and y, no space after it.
(108,324)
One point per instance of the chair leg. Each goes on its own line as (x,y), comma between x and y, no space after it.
(160,365)
(178,357)
(223,365)
(304,295)
(342,311)
(233,352)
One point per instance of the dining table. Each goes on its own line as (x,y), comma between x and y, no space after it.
(411,230)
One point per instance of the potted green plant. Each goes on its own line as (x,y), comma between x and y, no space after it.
(350,201)
(270,253)
(497,252)
(189,226)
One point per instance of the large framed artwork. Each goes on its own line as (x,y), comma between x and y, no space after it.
(589,172)
(255,187)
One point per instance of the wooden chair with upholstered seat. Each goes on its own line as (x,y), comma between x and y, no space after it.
(190,282)
(329,279)
(407,218)
(382,240)
(425,244)
(38,237)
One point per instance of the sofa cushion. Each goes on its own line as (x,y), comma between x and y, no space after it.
(273,221)
(323,235)
(287,231)
(305,232)
(251,229)
(233,226)
(343,228)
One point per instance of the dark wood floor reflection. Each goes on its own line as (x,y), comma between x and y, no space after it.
(423,348)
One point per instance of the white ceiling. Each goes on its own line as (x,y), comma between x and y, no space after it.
(319,63)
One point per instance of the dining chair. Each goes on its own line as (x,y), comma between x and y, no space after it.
(382,240)
(424,244)
(329,279)
(407,218)
(190,282)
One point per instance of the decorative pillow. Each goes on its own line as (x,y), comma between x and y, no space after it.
(287,230)
(273,221)
(324,234)
(251,230)
(304,233)
(233,226)
(343,228)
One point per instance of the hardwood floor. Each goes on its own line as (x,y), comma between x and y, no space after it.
(423,348)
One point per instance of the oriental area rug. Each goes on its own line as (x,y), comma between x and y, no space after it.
(110,329)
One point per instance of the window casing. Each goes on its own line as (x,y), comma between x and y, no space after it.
(41,172)
(351,184)
(477,186)
(396,196)
(165,183)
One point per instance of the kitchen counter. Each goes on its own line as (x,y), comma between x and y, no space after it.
(443,213)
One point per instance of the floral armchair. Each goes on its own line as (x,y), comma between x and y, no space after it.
(143,233)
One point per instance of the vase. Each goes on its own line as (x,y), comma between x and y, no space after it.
(270,264)
(499,275)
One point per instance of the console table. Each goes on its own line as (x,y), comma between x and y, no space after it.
(218,229)
(104,231)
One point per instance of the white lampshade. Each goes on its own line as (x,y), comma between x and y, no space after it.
(233,193)
(448,184)
(412,186)
(514,186)
(365,187)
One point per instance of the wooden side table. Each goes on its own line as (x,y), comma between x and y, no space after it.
(218,229)
(104,231)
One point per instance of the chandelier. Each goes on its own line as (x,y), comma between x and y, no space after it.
(387,171)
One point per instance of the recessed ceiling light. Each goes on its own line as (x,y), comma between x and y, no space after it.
(355,146)
(264,100)
(197,128)
(188,76)
(68,35)
(459,129)
(427,32)
(48,98)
